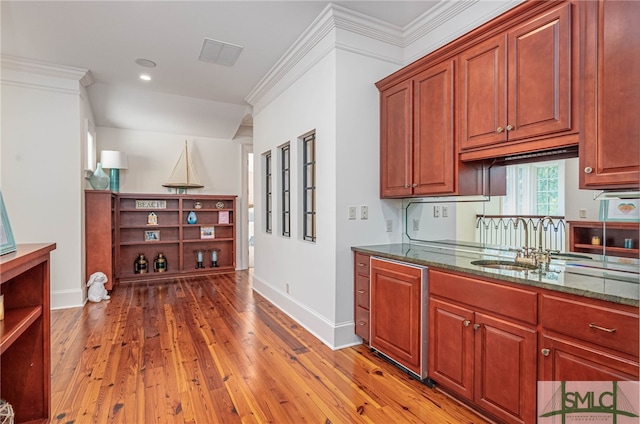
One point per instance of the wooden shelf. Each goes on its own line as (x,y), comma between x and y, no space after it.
(25,347)
(611,234)
(16,322)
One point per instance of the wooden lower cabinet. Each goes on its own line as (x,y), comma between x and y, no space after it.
(483,357)
(397,307)
(361,295)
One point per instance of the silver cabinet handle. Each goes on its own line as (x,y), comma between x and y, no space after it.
(362,323)
(406,186)
(361,264)
(362,291)
(414,185)
(499,129)
(476,326)
(597,327)
(588,170)
(466,322)
(545,352)
(510,127)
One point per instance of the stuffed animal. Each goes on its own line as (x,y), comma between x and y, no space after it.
(97,292)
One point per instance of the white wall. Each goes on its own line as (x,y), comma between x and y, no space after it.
(152,157)
(42,170)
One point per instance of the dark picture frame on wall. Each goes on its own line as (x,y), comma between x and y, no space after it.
(7,242)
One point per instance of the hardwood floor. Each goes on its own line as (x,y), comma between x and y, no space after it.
(210,350)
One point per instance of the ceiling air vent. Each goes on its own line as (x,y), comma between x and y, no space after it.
(219,52)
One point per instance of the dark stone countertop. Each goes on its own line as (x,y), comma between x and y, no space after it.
(603,277)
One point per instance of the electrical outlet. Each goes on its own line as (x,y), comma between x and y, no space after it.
(445,211)
(364,212)
(286,288)
(416,224)
(389,225)
(436,211)
(582,213)
(352,212)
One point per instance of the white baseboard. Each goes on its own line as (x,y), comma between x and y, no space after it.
(335,336)
(63,299)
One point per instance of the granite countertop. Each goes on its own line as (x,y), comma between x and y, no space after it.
(607,278)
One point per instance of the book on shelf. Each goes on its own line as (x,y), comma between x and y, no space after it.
(207,232)
(223,217)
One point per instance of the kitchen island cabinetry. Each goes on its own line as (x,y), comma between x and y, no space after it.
(483,344)
(609,146)
(398,313)
(516,87)
(587,341)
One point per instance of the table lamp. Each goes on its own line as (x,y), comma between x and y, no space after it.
(114,161)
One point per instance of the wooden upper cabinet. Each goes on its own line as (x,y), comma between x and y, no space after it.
(517,86)
(396,140)
(610,137)
(433,144)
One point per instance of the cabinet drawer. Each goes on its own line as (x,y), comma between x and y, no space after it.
(362,291)
(362,322)
(504,300)
(362,264)
(595,324)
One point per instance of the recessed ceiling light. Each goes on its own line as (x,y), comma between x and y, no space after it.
(145,77)
(146,63)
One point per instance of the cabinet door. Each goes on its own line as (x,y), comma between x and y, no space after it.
(610,148)
(505,370)
(395,324)
(564,360)
(451,346)
(396,111)
(539,56)
(483,94)
(433,143)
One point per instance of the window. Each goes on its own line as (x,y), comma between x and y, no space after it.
(309,187)
(535,189)
(285,156)
(268,191)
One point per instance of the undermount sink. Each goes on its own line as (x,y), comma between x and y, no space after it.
(506,265)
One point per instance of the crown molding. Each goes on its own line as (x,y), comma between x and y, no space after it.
(83,76)
(433,18)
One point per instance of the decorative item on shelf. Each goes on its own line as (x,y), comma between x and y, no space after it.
(192,218)
(7,242)
(220,205)
(199,258)
(160,263)
(140,266)
(595,240)
(207,232)
(6,412)
(152,218)
(151,204)
(1,307)
(151,235)
(197,205)
(214,258)
(628,243)
(114,161)
(99,180)
(184,175)
(223,217)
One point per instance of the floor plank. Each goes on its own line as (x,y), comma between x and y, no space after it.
(210,350)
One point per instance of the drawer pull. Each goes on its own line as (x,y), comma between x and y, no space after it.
(361,264)
(545,352)
(362,291)
(466,322)
(476,326)
(597,327)
(362,323)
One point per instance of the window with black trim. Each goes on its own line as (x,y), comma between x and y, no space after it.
(268,191)
(285,161)
(309,206)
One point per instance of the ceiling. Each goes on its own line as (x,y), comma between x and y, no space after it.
(185,96)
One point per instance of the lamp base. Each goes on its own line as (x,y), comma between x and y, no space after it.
(114,180)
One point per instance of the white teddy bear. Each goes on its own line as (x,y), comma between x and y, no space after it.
(97,292)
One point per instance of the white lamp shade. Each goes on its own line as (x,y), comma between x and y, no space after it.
(113,159)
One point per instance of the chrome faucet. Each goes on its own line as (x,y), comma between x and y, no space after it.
(526,258)
(540,249)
